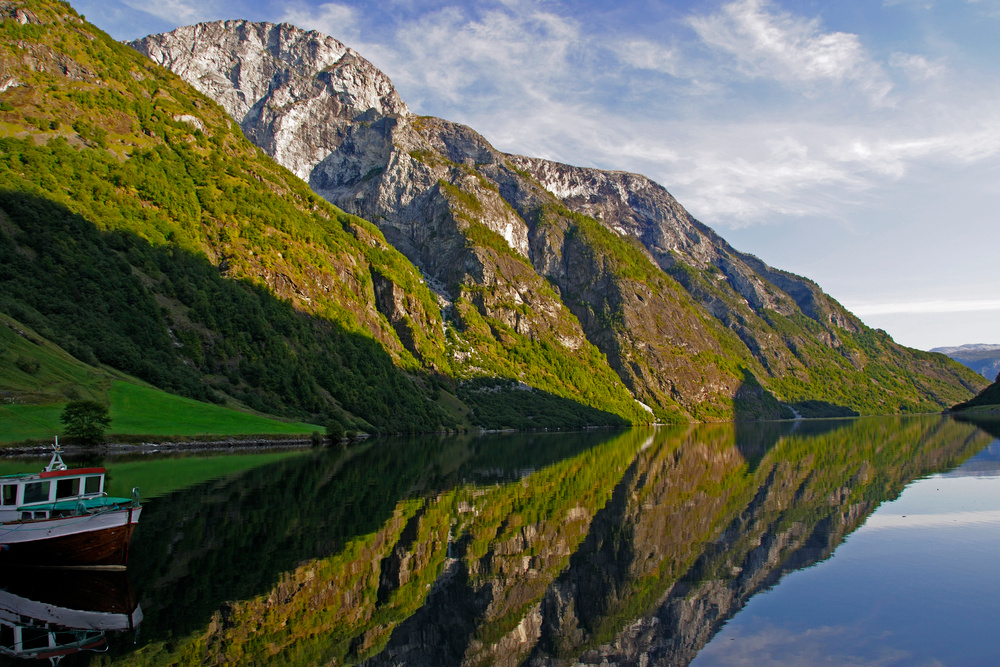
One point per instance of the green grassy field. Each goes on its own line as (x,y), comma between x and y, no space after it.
(38,378)
(137,410)
(37,372)
(24,422)
(144,411)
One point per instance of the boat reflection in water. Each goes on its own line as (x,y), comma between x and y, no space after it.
(53,614)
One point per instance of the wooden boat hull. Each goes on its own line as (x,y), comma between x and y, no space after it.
(99,540)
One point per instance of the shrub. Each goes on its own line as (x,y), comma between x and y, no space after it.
(29,366)
(335,430)
(86,421)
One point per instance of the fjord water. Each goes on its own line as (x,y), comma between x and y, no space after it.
(757,543)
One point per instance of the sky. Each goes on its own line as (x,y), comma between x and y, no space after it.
(854,142)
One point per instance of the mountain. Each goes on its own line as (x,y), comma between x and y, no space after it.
(982,358)
(526,254)
(140,230)
(987,398)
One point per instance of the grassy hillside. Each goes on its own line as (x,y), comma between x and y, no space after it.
(34,371)
(140,230)
(38,378)
(142,411)
(988,398)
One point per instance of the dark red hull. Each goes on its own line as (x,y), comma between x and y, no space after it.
(100,548)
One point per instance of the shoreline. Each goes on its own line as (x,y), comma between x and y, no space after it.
(232,444)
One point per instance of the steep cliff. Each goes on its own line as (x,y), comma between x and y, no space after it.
(527,252)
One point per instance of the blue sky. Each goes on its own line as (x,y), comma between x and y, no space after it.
(855,142)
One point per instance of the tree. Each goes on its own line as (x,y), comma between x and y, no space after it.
(86,420)
(334,430)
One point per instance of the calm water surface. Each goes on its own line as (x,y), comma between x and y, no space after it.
(870,541)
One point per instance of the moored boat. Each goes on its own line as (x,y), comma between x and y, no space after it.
(62,517)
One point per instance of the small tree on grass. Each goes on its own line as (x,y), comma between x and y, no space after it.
(86,421)
(334,430)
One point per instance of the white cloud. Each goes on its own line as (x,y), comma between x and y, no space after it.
(645,54)
(504,51)
(926,307)
(769,43)
(330,18)
(923,4)
(917,67)
(881,521)
(181,12)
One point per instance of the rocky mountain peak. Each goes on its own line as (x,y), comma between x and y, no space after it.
(536,255)
(292,91)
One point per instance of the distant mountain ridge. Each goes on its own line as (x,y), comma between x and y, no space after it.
(984,358)
(527,251)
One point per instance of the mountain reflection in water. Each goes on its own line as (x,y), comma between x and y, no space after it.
(539,549)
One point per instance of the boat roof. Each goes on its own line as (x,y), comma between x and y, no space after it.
(49,474)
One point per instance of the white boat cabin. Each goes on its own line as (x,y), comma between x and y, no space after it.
(53,492)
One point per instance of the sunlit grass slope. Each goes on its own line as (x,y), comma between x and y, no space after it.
(141,410)
(38,378)
(137,410)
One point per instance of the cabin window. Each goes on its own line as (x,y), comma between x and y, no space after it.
(93,484)
(36,492)
(67,638)
(34,638)
(67,488)
(6,636)
(9,495)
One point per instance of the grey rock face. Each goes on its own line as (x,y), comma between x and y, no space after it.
(633,205)
(335,120)
(293,92)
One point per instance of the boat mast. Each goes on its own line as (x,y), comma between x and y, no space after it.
(56,463)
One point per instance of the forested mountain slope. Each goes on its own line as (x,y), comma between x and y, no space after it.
(988,397)
(141,230)
(527,253)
